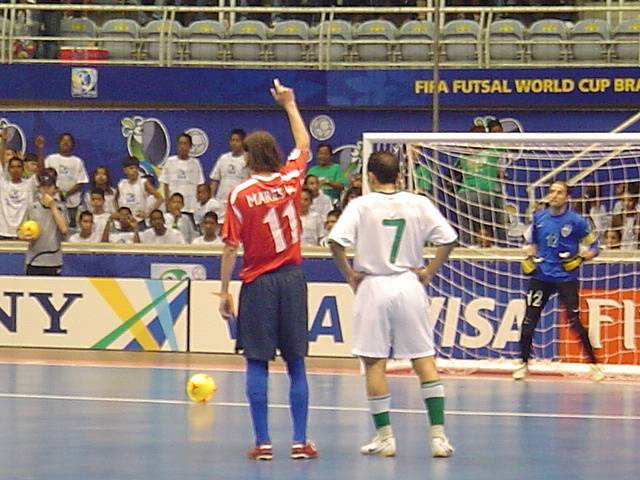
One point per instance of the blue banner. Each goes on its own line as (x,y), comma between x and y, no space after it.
(516,88)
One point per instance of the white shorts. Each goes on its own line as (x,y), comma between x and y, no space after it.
(391,318)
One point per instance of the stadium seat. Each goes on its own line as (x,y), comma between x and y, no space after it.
(593,36)
(297,32)
(547,40)
(382,30)
(421,32)
(329,32)
(460,38)
(117,28)
(627,32)
(506,40)
(78,32)
(160,36)
(204,30)
(248,30)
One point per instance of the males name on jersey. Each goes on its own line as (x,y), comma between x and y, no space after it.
(272,195)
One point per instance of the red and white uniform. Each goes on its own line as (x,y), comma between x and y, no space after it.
(263,215)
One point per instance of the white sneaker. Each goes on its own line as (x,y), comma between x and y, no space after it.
(384,447)
(597,375)
(521,372)
(440,447)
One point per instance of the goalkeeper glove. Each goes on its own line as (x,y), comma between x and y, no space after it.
(530,264)
(569,264)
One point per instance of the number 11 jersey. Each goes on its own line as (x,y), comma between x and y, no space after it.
(263,214)
(389,231)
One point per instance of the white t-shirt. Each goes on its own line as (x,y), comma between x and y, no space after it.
(133,195)
(183,224)
(312,228)
(389,231)
(171,236)
(95,237)
(109,202)
(100,221)
(183,176)
(230,171)
(201,241)
(122,237)
(15,199)
(71,171)
(211,205)
(321,205)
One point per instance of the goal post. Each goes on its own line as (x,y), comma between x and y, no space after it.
(487,186)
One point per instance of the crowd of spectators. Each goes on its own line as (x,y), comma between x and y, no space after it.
(178,207)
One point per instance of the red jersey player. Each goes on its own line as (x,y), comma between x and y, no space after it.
(263,214)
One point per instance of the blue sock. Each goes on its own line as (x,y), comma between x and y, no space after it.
(257,376)
(298,398)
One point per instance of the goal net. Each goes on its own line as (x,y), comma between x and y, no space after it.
(487,186)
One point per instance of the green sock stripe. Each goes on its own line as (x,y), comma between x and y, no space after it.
(435,408)
(381,420)
(432,383)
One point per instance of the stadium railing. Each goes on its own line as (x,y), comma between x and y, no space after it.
(612,42)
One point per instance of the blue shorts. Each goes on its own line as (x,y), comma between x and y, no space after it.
(273,315)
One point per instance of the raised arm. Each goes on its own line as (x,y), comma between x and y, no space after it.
(286,98)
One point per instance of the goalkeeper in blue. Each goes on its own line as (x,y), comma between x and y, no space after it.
(559,241)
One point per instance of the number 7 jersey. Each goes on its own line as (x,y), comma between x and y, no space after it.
(389,231)
(263,214)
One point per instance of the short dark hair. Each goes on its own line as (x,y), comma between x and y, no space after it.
(177,194)
(30,157)
(310,176)
(156,210)
(384,166)
(126,209)
(67,134)
(16,159)
(238,131)
(325,145)
(336,212)
(96,191)
(187,136)
(494,122)
(85,213)
(130,161)
(212,215)
(306,190)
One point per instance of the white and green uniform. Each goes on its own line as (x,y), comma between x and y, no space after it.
(389,232)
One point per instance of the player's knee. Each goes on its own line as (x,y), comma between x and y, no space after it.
(257,393)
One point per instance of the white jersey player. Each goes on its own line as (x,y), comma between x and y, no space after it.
(388,230)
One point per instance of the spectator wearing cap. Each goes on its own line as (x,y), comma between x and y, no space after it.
(44,253)
(133,190)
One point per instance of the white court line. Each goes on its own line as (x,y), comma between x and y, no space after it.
(404,411)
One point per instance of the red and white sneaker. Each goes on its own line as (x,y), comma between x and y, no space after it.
(304,451)
(261,452)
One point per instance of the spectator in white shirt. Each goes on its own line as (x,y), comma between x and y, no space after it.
(321,203)
(96,204)
(87,233)
(330,221)
(133,190)
(125,227)
(209,229)
(182,173)
(312,223)
(16,194)
(230,169)
(71,173)
(102,180)
(206,204)
(159,233)
(177,219)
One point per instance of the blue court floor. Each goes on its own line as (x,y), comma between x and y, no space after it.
(127,422)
